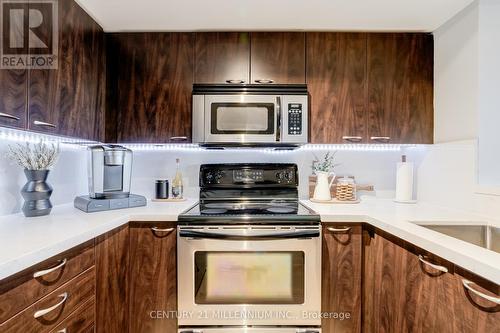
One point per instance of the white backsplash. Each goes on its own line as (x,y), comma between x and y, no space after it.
(69,176)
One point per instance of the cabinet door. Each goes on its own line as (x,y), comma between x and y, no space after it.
(150,83)
(222,57)
(336,80)
(112,281)
(472,312)
(153,271)
(277,57)
(402,293)
(13,90)
(341,281)
(400,87)
(69,100)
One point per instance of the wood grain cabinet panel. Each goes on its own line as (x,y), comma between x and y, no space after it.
(23,289)
(222,57)
(153,287)
(46,313)
(112,281)
(277,56)
(13,93)
(400,87)
(149,88)
(341,280)
(69,100)
(336,80)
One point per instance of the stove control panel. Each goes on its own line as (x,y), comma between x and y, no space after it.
(245,175)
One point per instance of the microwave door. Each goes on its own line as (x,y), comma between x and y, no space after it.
(241,118)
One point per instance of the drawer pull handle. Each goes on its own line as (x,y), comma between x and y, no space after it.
(62,331)
(9,116)
(438,267)
(352,138)
(345,229)
(381,138)
(264,81)
(167,230)
(492,299)
(43,312)
(50,270)
(44,124)
(235,81)
(179,138)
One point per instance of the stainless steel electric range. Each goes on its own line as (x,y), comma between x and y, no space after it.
(249,254)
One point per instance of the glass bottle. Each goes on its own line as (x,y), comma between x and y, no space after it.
(177,187)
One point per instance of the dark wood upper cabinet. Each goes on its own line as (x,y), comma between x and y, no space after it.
(69,100)
(149,88)
(153,271)
(400,87)
(222,57)
(336,80)
(13,90)
(341,277)
(277,56)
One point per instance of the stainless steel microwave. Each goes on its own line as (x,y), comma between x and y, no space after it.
(264,114)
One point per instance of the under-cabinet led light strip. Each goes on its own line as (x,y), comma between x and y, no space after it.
(20,136)
(13,135)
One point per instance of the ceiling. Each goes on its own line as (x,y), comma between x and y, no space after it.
(242,15)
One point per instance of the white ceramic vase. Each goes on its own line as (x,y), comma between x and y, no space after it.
(322,189)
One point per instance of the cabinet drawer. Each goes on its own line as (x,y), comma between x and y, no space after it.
(80,321)
(23,289)
(45,314)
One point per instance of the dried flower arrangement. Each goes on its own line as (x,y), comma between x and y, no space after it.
(326,164)
(34,156)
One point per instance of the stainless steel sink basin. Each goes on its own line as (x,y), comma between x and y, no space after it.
(481,235)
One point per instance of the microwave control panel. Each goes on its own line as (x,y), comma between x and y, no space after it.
(295,119)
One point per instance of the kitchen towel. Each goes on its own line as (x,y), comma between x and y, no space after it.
(404,182)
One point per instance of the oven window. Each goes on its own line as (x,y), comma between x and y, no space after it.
(249,277)
(242,118)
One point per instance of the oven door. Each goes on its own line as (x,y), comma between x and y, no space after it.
(242,118)
(249,275)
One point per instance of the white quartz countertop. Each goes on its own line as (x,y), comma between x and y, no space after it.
(28,241)
(399,220)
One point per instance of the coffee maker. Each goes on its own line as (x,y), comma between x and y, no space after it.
(109,176)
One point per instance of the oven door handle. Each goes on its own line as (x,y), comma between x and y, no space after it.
(212,235)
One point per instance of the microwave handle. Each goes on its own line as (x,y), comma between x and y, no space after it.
(278,118)
(212,235)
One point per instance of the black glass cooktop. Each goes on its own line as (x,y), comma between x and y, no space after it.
(237,212)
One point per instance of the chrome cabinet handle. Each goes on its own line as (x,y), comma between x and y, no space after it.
(345,229)
(44,124)
(438,267)
(62,331)
(380,138)
(168,230)
(492,299)
(50,270)
(352,138)
(8,116)
(179,138)
(43,312)
(235,81)
(264,81)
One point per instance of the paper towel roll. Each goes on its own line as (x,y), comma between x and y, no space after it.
(404,182)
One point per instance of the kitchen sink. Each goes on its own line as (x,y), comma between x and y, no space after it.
(483,235)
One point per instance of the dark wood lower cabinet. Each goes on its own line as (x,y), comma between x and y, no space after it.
(341,280)
(153,271)
(112,281)
(402,293)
